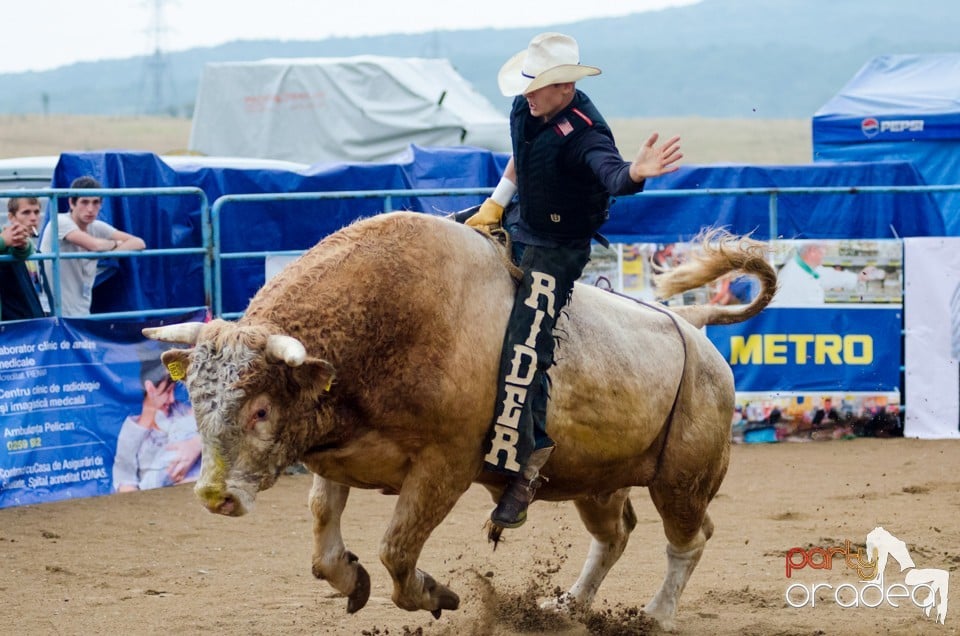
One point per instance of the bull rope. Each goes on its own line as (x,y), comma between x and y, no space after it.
(683,371)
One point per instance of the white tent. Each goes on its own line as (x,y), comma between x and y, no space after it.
(319,110)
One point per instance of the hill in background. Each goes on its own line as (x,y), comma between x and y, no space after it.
(750,59)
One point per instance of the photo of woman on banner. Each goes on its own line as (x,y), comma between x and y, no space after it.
(160,446)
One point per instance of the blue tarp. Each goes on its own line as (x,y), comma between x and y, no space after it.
(899,107)
(799,216)
(167,222)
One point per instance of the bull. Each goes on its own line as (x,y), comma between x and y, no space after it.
(372,360)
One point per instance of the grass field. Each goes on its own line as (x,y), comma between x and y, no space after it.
(30,135)
(704,141)
(711,141)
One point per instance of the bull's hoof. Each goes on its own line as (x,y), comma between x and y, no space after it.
(448,601)
(563,603)
(361,591)
(664,619)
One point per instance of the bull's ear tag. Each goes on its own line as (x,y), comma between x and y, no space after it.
(177,372)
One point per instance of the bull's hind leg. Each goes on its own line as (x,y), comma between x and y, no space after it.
(429,492)
(609,521)
(683,508)
(331,560)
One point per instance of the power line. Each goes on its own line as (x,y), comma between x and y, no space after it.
(156,73)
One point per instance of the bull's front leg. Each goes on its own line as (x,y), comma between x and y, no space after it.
(331,560)
(429,492)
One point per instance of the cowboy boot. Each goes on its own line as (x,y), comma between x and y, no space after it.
(511,510)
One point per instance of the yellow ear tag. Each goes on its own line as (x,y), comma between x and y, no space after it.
(329,384)
(177,372)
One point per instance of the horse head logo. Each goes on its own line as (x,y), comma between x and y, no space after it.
(882,545)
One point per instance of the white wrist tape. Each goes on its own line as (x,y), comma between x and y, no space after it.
(504,192)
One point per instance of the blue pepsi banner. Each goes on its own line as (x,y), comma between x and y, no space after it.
(911,127)
(815,349)
(86,408)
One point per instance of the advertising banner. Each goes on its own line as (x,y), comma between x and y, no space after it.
(815,349)
(823,361)
(86,408)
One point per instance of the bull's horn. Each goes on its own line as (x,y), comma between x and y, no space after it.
(286,348)
(184,333)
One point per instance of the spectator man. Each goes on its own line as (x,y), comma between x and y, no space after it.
(14,241)
(22,287)
(79,230)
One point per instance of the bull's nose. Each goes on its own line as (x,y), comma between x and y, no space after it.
(216,500)
(228,507)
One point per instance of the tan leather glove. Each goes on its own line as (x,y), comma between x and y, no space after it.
(490,213)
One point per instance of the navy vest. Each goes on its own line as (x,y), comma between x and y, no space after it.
(558,201)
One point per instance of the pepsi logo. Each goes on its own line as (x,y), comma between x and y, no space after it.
(870,127)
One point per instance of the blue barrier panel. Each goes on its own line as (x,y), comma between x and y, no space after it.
(69,390)
(236,282)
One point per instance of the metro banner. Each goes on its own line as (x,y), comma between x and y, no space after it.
(68,388)
(816,349)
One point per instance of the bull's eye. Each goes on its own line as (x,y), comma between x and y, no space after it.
(258,415)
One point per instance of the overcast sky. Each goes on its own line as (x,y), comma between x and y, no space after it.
(45,34)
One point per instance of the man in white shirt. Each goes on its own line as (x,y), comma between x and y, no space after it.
(803,280)
(79,230)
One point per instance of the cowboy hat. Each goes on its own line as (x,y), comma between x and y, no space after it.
(551,58)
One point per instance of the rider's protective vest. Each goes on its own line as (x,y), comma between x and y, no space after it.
(556,200)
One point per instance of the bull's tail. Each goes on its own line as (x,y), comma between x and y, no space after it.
(720,253)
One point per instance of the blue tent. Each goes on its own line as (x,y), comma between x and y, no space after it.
(171,222)
(900,107)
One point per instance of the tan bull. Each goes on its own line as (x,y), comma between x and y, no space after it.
(373,361)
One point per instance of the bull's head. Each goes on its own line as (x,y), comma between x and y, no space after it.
(255,395)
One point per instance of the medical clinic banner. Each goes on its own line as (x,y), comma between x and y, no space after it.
(932,337)
(87,409)
(816,349)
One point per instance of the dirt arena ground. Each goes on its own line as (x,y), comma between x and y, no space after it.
(155,562)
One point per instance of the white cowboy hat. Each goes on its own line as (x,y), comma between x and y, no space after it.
(551,58)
